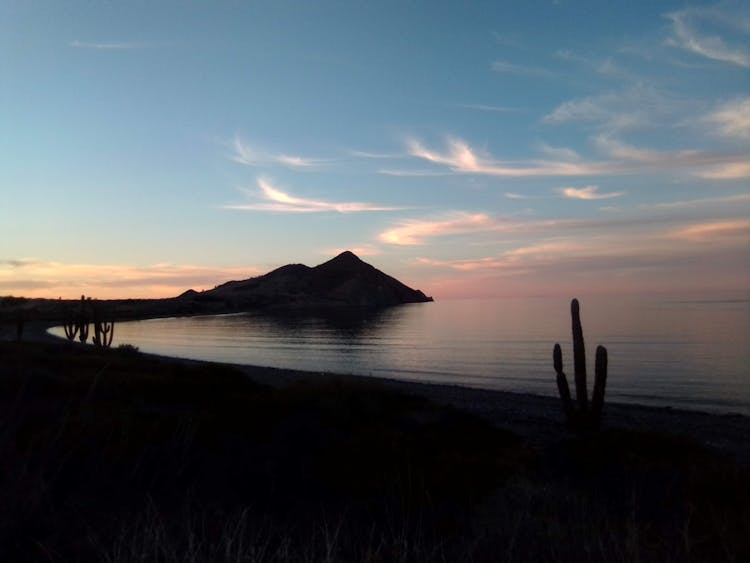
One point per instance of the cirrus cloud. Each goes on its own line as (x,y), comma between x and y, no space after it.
(588,193)
(244,153)
(279,201)
(690,34)
(415,232)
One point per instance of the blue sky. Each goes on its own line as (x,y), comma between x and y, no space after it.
(500,148)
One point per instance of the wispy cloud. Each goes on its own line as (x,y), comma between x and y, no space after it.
(111,45)
(710,231)
(688,34)
(712,165)
(604,66)
(731,171)
(278,201)
(730,199)
(509,259)
(244,153)
(505,67)
(588,193)
(411,173)
(639,106)
(619,259)
(18,263)
(559,153)
(732,118)
(487,107)
(461,158)
(416,232)
(375,155)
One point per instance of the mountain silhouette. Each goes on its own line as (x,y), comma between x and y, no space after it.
(342,281)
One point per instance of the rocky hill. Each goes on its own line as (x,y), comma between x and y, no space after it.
(342,281)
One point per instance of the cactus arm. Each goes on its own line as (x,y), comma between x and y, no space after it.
(562,384)
(83,330)
(83,322)
(579,357)
(600,382)
(71,329)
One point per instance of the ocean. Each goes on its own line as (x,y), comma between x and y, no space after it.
(689,353)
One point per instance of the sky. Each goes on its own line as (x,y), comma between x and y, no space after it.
(466,148)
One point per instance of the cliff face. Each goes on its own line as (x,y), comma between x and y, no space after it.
(343,281)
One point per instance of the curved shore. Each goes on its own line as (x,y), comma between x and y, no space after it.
(539,420)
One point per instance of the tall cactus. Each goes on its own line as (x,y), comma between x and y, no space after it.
(83,322)
(103,330)
(71,325)
(580,417)
(103,333)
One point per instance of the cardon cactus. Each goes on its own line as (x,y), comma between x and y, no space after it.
(83,322)
(579,416)
(71,325)
(103,330)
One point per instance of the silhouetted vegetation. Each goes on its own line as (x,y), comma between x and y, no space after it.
(77,323)
(579,416)
(110,455)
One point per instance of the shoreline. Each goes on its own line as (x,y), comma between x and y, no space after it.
(536,418)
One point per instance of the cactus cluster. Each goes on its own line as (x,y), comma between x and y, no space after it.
(581,416)
(77,324)
(103,332)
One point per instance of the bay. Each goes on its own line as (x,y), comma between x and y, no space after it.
(686,352)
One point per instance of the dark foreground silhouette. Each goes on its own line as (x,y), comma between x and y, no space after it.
(111,455)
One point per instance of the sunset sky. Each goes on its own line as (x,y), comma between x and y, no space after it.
(499,148)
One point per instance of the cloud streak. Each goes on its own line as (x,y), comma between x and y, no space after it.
(687,36)
(247,155)
(588,193)
(505,67)
(276,200)
(416,232)
(462,159)
(732,119)
(732,199)
(110,45)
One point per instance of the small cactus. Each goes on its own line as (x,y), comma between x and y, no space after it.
(579,417)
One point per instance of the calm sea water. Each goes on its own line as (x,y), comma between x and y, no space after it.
(685,353)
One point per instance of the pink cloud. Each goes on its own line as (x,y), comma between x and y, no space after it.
(415,232)
(588,193)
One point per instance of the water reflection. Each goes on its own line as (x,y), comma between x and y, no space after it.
(347,323)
